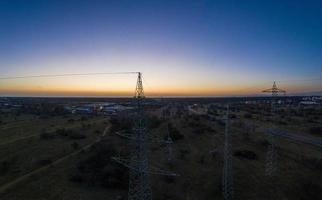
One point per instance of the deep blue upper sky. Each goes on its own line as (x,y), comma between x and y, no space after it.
(227,41)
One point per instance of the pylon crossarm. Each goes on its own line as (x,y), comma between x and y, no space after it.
(268,90)
(128,163)
(122,161)
(280,90)
(160,140)
(274,90)
(151,170)
(131,136)
(158,171)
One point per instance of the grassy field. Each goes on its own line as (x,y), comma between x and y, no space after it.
(23,152)
(197,158)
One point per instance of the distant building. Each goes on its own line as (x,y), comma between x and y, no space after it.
(84,110)
(113,109)
(312,100)
(251,102)
(308,103)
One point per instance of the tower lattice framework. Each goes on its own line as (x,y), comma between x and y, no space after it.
(271,155)
(228,187)
(138,163)
(139,185)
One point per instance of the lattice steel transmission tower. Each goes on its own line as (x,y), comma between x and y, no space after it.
(169,143)
(228,186)
(271,155)
(138,164)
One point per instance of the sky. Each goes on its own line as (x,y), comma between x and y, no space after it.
(183,48)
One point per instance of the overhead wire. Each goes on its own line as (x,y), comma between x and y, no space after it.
(63,75)
(143,79)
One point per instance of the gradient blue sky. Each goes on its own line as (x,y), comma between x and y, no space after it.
(182,47)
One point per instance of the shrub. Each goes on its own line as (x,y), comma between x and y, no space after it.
(310,187)
(47,135)
(221,123)
(99,170)
(232,116)
(4,167)
(76,136)
(83,118)
(75,145)
(154,122)
(282,122)
(76,178)
(248,115)
(43,162)
(120,123)
(316,130)
(61,132)
(199,131)
(169,179)
(175,133)
(64,132)
(183,153)
(250,155)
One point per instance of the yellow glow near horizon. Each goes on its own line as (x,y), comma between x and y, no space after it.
(174,78)
(97,87)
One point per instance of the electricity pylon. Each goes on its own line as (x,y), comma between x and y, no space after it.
(271,155)
(228,187)
(169,142)
(139,182)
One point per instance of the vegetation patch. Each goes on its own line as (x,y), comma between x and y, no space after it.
(316,130)
(98,169)
(246,154)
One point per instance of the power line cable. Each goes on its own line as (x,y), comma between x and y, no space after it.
(63,75)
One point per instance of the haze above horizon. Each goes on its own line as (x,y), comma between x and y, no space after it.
(183,48)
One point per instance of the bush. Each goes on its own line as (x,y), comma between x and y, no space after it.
(4,167)
(47,135)
(199,131)
(169,179)
(120,123)
(75,145)
(183,153)
(83,118)
(232,116)
(70,120)
(99,170)
(175,133)
(64,132)
(313,163)
(310,187)
(221,123)
(248,115)
(316,130)
(250,155)
(154,122)
(76,178)
(76,136)
(61,132)
(282,122)
(43,162)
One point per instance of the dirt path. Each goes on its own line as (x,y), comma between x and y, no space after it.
(5,187)
(21,138)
